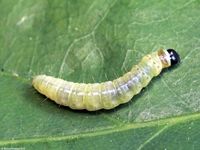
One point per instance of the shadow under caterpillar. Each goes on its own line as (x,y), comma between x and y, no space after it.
(109,94)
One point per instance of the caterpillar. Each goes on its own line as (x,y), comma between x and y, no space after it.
(109,94)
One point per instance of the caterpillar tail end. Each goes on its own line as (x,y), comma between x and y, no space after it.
(36,81)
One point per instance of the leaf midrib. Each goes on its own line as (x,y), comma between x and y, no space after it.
(108,130)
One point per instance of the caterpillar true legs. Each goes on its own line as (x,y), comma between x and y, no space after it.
(106,95)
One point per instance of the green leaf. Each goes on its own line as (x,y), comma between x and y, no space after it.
(94,41)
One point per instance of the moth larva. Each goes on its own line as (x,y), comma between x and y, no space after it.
(106,95)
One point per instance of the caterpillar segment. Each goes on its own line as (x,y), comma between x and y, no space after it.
(109,94)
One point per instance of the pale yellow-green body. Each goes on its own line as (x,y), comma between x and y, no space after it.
(106,95)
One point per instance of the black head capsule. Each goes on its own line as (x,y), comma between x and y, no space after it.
(174,57)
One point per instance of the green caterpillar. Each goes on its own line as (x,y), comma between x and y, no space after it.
(106,95)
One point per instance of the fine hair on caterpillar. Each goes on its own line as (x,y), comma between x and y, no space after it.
(109,94)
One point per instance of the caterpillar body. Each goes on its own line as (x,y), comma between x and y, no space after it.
(109,94)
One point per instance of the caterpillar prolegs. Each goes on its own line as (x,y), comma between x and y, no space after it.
(109,94)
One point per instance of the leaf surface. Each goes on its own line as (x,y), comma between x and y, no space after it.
(95,41)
